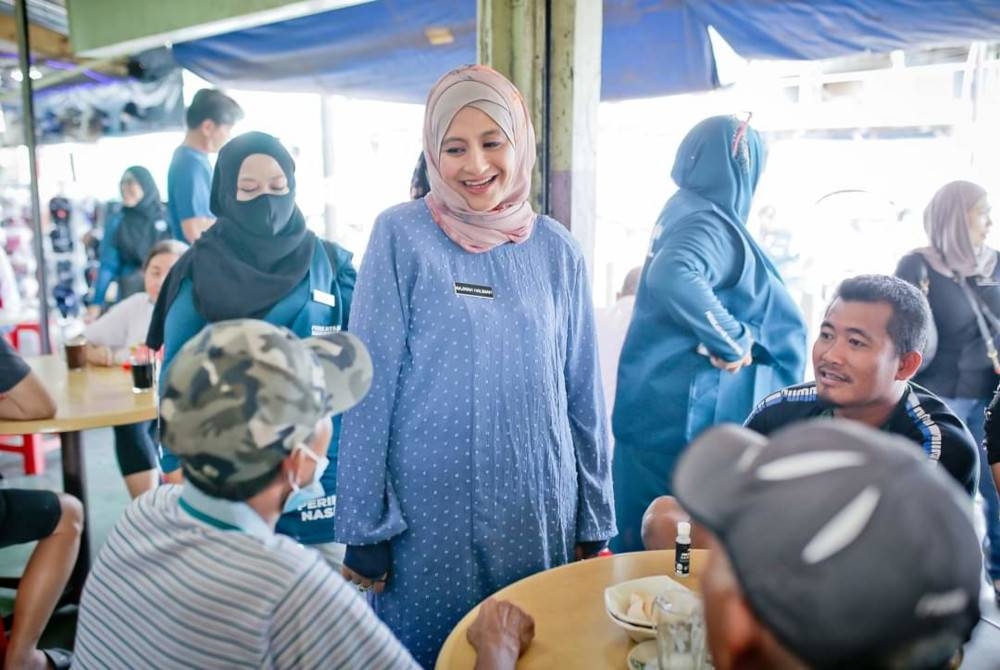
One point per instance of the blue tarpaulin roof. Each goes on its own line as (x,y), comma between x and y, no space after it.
(380,49)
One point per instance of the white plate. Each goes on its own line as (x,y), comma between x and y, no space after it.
(643,656)
(616,598)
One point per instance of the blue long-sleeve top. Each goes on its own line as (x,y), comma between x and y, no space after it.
(481,453)
(112,267)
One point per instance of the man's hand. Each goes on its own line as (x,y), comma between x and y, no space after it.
(195,226)
(362,582)
(500,634)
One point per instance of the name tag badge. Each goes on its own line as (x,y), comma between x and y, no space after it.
(473,290)
(323,330)
(324,298)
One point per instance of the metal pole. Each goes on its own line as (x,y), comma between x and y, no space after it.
(28,121)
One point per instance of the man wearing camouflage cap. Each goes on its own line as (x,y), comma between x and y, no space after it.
(194,575)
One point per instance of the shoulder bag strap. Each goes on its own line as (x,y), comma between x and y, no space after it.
(984,329)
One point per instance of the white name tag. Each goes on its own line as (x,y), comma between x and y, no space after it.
(324,298)
(323,330)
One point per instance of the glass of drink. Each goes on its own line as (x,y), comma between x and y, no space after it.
(76,353)
(143,366)
(680,633)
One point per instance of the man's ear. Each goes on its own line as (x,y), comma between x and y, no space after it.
(293,465)
(207,127)
(909,363)
(742,634)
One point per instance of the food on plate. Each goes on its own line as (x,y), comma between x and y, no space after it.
(640,607)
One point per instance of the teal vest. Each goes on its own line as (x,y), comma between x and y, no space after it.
(313,308)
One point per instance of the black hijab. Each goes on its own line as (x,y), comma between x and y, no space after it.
(141,226)
(254,255)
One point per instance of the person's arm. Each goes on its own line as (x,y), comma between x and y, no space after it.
(190,190)
(106,343)
(195,226)
(501,632)
(682,276)
(347,277)
(912,268)
(595,516)
(360,639)
(992,440)
(110,262)
(959,454)
(368,511)
(23,397)
(759,419)
(182,323)
(659,525)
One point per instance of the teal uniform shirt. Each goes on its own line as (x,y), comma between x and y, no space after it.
(320,303)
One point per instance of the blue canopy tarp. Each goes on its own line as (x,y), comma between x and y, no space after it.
(381,49)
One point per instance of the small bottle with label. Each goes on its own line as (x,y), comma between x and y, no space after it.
(682,550)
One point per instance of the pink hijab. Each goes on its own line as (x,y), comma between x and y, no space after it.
(490,92)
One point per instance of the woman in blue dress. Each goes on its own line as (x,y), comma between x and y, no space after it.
(713,330)
(481,453)
(259,261)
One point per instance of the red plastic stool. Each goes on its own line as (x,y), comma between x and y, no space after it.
(32,447)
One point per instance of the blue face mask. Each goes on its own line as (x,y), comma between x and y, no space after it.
(302,495)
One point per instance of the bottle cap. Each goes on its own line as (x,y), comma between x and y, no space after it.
(683,529)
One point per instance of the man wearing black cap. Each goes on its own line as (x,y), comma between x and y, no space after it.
(806,531)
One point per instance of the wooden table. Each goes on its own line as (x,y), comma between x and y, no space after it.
(572,629)
(94,397)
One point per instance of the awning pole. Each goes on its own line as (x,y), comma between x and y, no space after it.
(28,121)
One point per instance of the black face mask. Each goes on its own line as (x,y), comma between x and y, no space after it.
(266,214)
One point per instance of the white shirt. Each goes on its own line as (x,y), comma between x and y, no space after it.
(189,581)
(612,324)
(123,327)
(9,295)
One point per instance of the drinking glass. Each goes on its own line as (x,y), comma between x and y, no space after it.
(680,633)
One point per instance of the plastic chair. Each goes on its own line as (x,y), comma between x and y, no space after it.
(31,447)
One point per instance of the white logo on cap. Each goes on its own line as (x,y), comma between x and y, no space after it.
(940,604)
(844,528)
(804,465)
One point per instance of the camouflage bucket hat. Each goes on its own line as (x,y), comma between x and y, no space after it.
(241,394)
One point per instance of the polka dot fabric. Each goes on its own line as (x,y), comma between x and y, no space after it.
(481,452)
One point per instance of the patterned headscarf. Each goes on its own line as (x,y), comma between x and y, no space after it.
(487,90)
(946,222)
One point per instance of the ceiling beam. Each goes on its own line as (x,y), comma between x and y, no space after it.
(44,42)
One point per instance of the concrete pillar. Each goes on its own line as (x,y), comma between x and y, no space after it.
(552,52)
(574,94)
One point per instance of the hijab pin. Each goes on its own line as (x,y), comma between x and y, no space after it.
(741,132)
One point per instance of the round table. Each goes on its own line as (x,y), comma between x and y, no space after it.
(94,397)
(572,629)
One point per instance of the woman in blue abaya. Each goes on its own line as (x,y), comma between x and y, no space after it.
(714,328)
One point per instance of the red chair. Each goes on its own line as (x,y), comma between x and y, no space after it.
(32,447)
